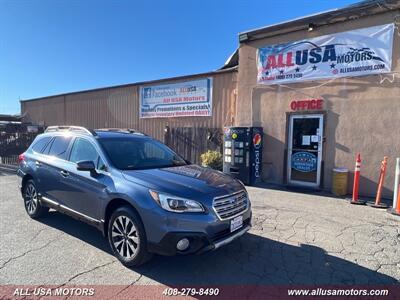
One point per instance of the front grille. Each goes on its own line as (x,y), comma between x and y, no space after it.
(229,206)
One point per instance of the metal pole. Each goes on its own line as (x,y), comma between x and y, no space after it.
(396,182)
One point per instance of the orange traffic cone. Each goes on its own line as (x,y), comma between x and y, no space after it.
(356,183)
(378,198)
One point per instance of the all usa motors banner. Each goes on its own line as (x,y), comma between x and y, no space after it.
(353,53)
(183,99)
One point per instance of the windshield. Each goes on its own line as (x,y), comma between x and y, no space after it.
(138,154)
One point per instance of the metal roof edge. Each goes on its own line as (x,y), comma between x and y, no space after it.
(336,12)
(264,28)
(232,61)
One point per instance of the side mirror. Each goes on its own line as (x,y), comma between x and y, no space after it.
(86,165)
(188,162)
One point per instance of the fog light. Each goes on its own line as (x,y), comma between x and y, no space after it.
(183,244)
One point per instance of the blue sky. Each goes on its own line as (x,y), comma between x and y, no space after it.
(54,46)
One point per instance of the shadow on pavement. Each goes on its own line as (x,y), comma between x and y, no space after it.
(386,199)
(77,229)
(252,259)
(7,172)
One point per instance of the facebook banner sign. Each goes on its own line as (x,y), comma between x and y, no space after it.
(183,99)
(353,53)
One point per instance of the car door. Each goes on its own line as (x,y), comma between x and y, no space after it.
(51,168)
(86,191)
(36,159)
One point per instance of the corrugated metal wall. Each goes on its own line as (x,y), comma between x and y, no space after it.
(119,107)
(49,110)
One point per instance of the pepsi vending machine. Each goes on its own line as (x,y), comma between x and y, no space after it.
(243,153)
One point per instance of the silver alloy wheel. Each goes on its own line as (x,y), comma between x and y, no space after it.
(125,237)
(31,198)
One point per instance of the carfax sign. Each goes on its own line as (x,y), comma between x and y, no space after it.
(353,53)
(304,162)
(183,99)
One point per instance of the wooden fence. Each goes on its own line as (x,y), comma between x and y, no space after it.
(13,144)
(187,141)
(191,142)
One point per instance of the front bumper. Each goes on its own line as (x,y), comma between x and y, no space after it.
(219,243)
(199,241)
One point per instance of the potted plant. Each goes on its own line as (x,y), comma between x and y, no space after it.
(212,159)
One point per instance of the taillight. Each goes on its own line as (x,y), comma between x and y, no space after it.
(21,158)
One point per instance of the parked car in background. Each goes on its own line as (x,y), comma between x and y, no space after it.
(142,195)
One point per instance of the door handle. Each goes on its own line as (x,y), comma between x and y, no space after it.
(64,173)
(38,163)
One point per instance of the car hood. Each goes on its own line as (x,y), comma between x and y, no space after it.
(190,181)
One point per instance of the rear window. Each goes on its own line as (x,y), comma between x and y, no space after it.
(59,146)
(40,144)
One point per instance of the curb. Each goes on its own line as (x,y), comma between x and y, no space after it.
(8,168)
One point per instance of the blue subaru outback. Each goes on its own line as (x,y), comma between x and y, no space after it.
(142,196)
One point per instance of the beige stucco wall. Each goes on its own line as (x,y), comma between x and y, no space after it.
(362,113)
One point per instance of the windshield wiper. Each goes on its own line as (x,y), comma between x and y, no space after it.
(175,163)
(178,163)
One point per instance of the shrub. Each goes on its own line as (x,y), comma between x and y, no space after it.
(212,159)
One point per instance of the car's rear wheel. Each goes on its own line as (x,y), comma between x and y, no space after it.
(127,237)
(31,201)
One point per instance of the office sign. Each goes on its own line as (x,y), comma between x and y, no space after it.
(183,99)
(307,104)
(352,53)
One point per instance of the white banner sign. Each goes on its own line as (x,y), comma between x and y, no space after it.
(183,99)
(353,53)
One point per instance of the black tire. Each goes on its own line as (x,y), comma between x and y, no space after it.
(32,203)
(123,237)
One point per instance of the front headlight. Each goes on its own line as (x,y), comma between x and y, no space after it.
(176,204)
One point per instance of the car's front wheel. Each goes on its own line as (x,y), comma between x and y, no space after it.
(31,201)
(127,237)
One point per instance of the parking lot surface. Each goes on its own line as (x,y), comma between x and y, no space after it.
(296,239)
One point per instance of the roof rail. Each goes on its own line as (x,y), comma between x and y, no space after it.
(70,128)
(122,130)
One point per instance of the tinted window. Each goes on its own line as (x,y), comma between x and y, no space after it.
(138,153)
(83,150)
(40,143)
(59,146)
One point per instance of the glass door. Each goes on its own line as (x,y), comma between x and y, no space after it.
(305,150)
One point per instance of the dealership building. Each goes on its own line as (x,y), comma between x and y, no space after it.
(323,88)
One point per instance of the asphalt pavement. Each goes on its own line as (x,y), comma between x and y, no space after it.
(296,238)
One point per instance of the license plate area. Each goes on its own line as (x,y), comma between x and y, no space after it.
(236,223)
